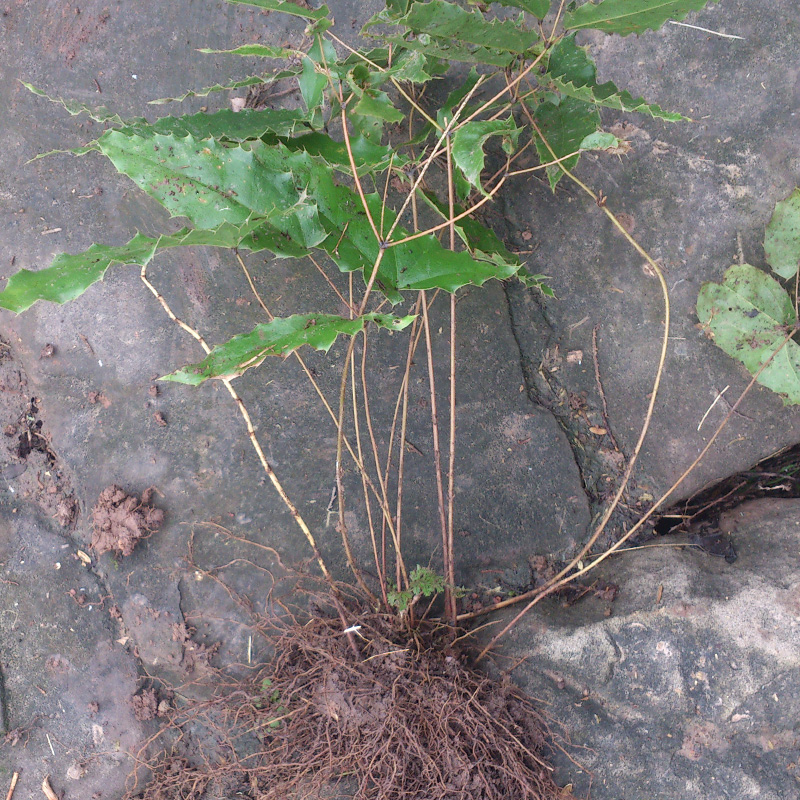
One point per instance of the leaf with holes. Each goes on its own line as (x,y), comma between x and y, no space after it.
(630,16)
(749,316)
(572,71)
(782,237)
(538,8)
(280,337)
(286,7)
(469,140)
(210,183)
(253,80)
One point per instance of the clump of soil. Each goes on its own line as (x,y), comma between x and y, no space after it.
(121,520)
(380,714)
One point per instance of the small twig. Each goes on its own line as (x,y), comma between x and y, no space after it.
(14,779)
(707,30)
(295,513)
(708,411)
(48,789)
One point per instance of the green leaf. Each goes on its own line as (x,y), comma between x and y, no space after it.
(286,7)
(259,50)
(782,237)
(377,104)
(278,338)
(469,140)
(211,184)
(253,80)
(228,125)
(446,20)
(312,84)
(97,113)
(419,264)
(538,8)
(748,316)
(446,31)
(479,239)
(69,276)
(572,71)
(600,140)
(565,126)
(630,16)
(368,156)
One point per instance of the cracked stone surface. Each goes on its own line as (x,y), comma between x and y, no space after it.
(690,688)
(530,471)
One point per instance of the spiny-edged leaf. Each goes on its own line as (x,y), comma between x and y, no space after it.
(538,8)
(227,124)
(454,50)
(399,63)
(479,239)
(538,282)
(468,142)
(211,184)
(69,276)
(565,126)
(449,21)
(419,264)
(253,80)
(782,237)
(298,9)
(573,72)
(278,338)
(630,16)
(312,82)
(748,316)
(97,113)
(377,104)
(368,156)
(259,50)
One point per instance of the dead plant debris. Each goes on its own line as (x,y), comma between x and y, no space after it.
(408,719)
(121,520)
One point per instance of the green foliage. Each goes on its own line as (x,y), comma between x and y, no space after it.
(282,180)
(422,582)
(278,338)
(749,315)
(630,16)
(572,72)
(782,238)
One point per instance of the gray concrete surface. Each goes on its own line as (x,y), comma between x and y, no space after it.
(530,474)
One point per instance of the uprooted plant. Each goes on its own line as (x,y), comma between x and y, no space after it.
(366,174)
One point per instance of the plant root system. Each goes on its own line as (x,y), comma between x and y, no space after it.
(408,720)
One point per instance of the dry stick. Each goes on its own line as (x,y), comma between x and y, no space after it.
(367,503)
(339,471)
(395,82)
(296,516)
(450,577)
(438,148)
(437,455)
(659,372)
(250,430)
(382,478)
(14,779)
(552,587)
(317,389)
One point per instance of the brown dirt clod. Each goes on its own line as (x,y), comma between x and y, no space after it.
(121,520)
